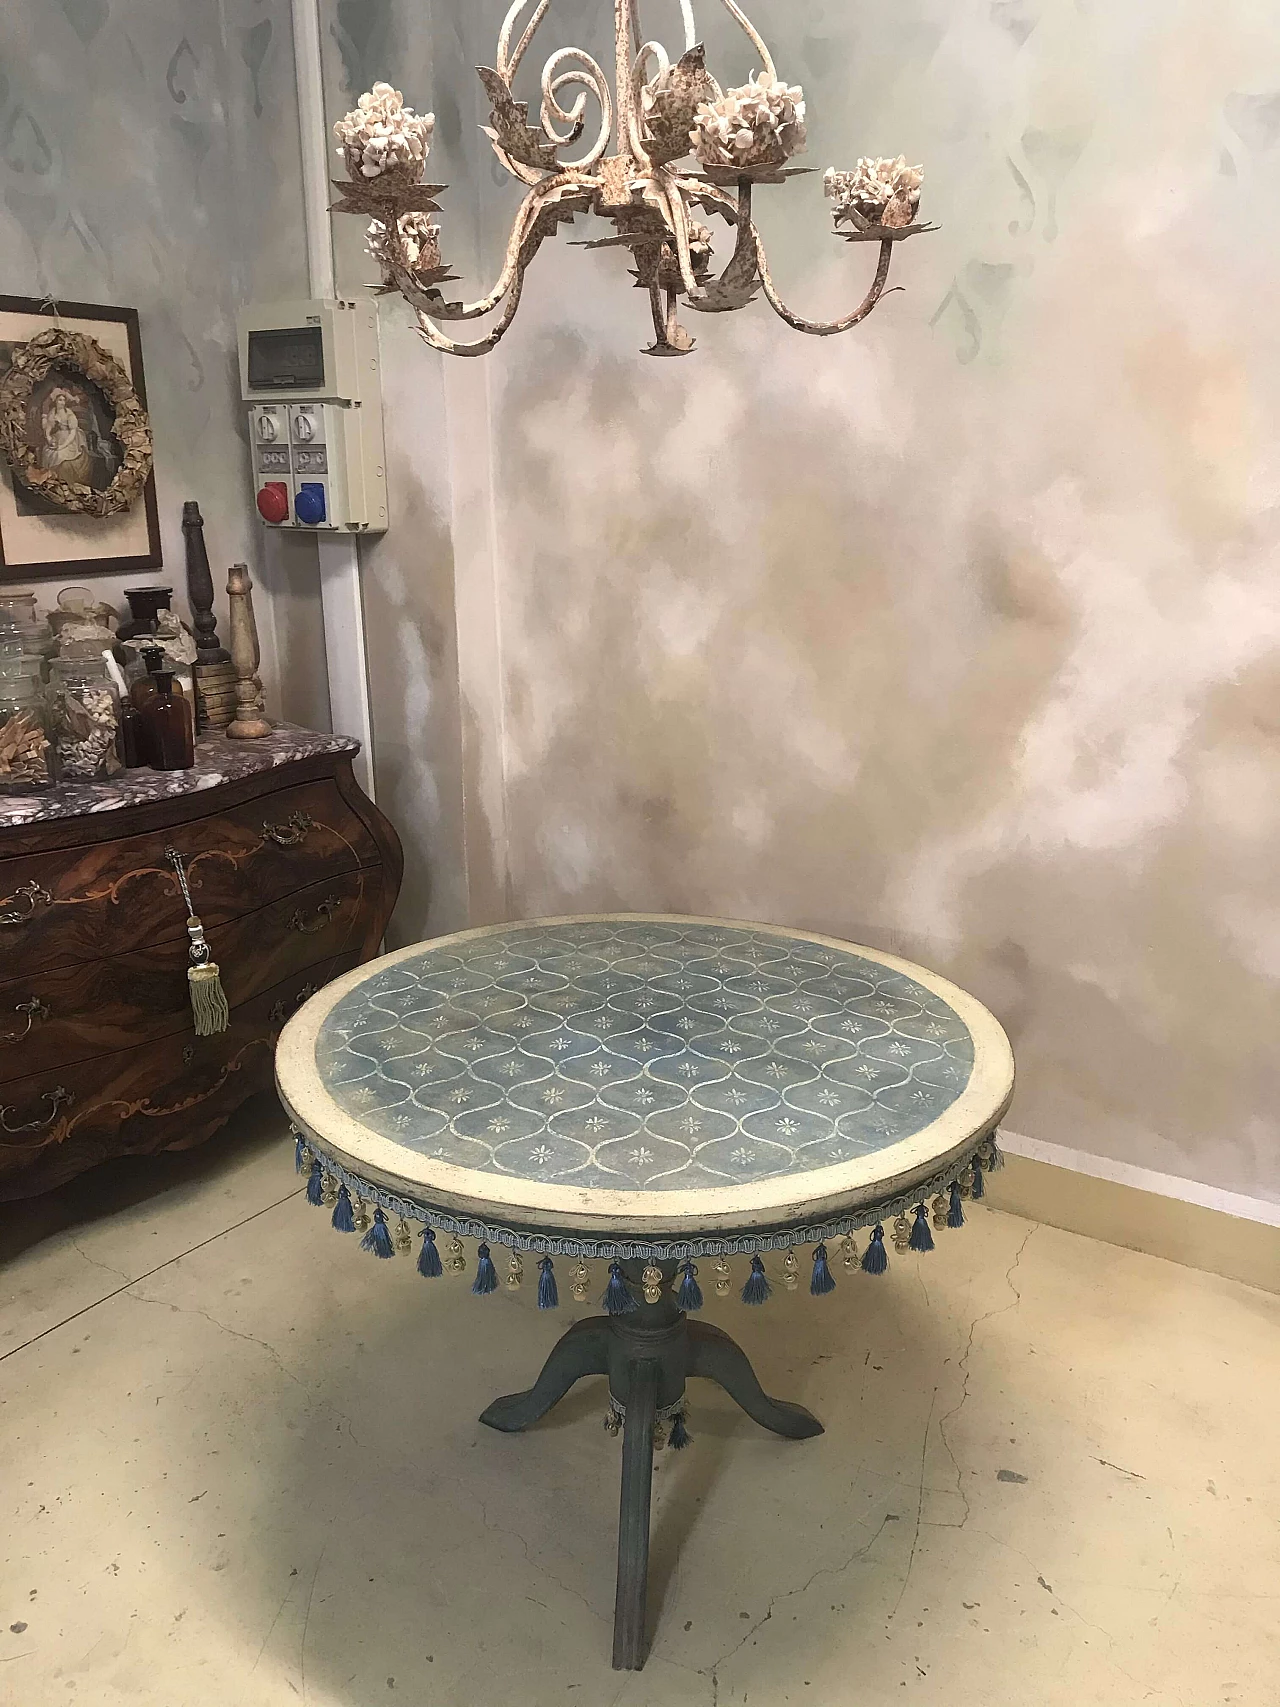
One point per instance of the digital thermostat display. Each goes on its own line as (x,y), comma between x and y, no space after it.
(284,357)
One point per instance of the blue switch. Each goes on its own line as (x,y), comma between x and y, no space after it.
(308,506)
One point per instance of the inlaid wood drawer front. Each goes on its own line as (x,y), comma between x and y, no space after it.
(75,904)
(168,1094)
(83,1009)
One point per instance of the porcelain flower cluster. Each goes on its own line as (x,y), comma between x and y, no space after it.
(412,242)
(760,124)
(873,184)
(381,135)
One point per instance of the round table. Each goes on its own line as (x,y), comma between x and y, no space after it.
(644,1091)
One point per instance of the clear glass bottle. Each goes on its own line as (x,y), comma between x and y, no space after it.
(27,755)
(84,716)
(167,728)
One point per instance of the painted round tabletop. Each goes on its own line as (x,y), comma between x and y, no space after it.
(644,1075)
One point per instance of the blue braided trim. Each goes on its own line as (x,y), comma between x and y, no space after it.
(610,1250)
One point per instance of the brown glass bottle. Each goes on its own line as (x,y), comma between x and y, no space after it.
(143,687)
(168,737)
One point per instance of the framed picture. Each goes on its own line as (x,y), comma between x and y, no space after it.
(82,430)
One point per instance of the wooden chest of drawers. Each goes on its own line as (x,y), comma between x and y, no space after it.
(294,873)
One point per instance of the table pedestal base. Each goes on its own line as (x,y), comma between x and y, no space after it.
(647,1355)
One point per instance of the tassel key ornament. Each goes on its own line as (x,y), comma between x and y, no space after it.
(209,1011)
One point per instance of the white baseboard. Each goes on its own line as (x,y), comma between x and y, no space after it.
(1142,1179)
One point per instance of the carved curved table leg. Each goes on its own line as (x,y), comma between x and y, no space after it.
(633,1517)
(584,1350)
(713,1355)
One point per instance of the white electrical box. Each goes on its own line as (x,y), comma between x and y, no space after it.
(310,373)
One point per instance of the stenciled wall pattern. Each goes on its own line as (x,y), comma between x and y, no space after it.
(957,635)
(149,156)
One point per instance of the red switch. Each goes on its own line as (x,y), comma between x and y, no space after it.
(273,501)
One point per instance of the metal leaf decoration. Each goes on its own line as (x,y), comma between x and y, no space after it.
(511,133)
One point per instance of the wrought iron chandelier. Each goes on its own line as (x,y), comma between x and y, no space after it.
(657,115)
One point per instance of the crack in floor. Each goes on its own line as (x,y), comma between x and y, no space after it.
(788,1594)
(963,1367)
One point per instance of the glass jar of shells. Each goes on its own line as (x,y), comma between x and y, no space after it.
(27,757)
(84,717)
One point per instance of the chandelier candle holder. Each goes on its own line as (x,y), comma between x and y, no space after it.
(635,173)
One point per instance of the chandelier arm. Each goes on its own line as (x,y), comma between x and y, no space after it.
(512,266)
(671,204)
(743,260)
(451,347)
(507,62)
(624,26)
(656,310)
(822,328)
(690,28)
(757,40)
(589,74)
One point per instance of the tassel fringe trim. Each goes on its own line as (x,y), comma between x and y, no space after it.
(329,1183)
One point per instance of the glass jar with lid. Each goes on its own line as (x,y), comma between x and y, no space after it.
(21,630)
(84,716)
(27,756)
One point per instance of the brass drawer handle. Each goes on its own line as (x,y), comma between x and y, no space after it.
(34,1010)
(59,1097)
(328,907)
(281,1008)
(34,894)
(291,832)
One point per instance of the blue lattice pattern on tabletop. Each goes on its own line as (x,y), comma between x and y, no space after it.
(636,1054)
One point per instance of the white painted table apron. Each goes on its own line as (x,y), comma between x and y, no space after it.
(645,1091)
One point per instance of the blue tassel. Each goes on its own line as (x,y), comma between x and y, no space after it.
(315,1185)
(378,1238)
(429,1265)
(757,1288)
(343,1219)
(486,1279)
(995,1159)
(617,1298)
(921,1238)
(679,1436)
(299,1155)
(689,1296)
(822,1280)
(979,1189)
(875,1259)
(548,1291)
(955,1215)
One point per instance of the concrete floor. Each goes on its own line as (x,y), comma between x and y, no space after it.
(242,1465)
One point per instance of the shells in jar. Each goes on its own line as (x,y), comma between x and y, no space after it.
(24,751)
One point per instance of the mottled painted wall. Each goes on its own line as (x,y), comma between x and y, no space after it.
(149,156)
(957,635)
(410,597)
